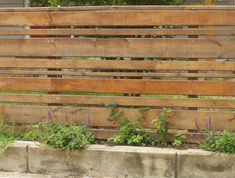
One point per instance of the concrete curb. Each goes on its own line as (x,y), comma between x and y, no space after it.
(117,161)
(204,164)
(15,159)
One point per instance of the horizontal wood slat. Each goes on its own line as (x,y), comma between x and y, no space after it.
(125,47)
(119,32)
(118,18)
(119,100)
(117,64)
(97,117)
(31,93)
(119,86)
(117,74)
(121,7)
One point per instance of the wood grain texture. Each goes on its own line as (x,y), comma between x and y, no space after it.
(119,32)
(125,32)
(118,17)
(121,7)
(97,117)
(151,75)
(119,100)
(119,86)
(145,86)
(125,47)
(82,63)
(144,18)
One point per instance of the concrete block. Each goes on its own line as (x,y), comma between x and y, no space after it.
(22,175)
(104,161)
(14,159)
(204,164)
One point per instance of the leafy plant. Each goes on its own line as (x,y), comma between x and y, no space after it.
(114,113)
(143,111)
(131,133)
(66,137)
(220,143)
(180,137)
(161,125)
(7,136)
(5,142)
(33,134)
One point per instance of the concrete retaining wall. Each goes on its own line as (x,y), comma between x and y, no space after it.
(117,161)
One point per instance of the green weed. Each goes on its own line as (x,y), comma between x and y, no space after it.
(7,136)
(224,143)
(132,131)
(180,137)
(65,137)
(162,125)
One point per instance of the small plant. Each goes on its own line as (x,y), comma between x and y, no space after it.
(131,133)
(219,143)
(131,130)
(180,137)
(5,142)
(114,113)
(65,137)
(161,125)
(143,111)
(32,134)
(7,136)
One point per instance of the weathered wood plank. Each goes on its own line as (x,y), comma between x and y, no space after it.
(119,86)
(118,18)
(145,18)
(125,47)
(97,117)
(117,74)
(119,32)
(115,64)
(119,100)
(24,18)
(146,86)
(122,7)
(25,84)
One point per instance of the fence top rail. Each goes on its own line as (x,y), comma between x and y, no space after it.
(139,7)
(118,17)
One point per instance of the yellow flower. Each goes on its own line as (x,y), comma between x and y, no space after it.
(158,127)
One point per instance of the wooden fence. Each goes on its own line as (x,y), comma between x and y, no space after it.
(82,59)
